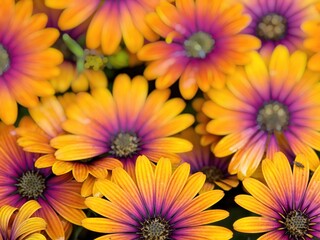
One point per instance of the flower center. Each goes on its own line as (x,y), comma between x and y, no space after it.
(212,173)
(199,45)
(31,184)
(124,145)
(297,224)
(4,60)
(272,27)
(273,116)
(155,229)
(94,60)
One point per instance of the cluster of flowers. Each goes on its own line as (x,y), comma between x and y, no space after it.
(131,118)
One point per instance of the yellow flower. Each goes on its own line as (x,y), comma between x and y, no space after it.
(264,108)
(18,223)
(161,204)
(287,205)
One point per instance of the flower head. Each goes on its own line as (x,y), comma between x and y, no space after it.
(279,22)
(26,59)
(105,128)
(201,159)
(161,204)
(203,42)
(288,205)
(112,22)
(58,196)
(19,224)
(268,107)
(69,77)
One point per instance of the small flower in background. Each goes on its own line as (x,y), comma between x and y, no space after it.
(267,107)
(58,196)
(277,22)
(203,42)
(288,205)
(128,122)
(161,204)
(69,77)
(202,121)
(112,22)
(26,59)
(19,224)
(201,159)
(312,42)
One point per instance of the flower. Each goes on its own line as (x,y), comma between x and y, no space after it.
(202,121)
(45,123)
(201,159)
(26,59)
(58,196)
(161,205)
(18,224)
(107,128)
(311,42)
(124,19)
(203,42)
(70,77)
(288,205)
(266,107)
(279,22)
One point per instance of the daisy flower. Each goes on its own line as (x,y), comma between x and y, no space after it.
(277,22)
(201,159)
(287,205)
(103,127)
(267,107)
(69,77)
(58,196)
(203,42)
(45,123)
(26,59)
(161,204)
(312,42)
(124,19)
(18,224)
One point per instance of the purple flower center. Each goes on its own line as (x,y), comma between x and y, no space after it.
(155,228)
(297,224)
(199,45)
(212,173)
(272,27)
(31,184)
(4,60)
(124,145)
(273,116)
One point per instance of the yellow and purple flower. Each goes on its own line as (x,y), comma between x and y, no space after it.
(20,224)
(26,59)
(277,22)
(201,159)
(108,127)
(266,107)
(20,181)
(161,204)
(287,205)
(112,22)
(203,42)
(45,123)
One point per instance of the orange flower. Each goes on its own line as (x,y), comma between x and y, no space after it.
(112,22)
(26,59)
(203,42)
